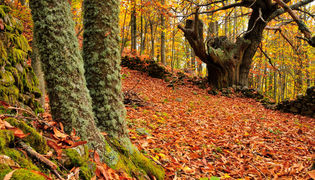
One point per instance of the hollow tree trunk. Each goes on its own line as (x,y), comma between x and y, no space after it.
(229,63)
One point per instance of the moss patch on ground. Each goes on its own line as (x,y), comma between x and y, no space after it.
(135,163)
(22,174)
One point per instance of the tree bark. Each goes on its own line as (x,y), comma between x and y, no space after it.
(102,64)
(62,62)
(37,67)
(163,61)
(133,24)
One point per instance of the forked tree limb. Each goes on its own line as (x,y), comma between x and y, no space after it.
(293,7)
(302,26)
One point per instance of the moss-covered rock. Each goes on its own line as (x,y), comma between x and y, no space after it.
(35,140)
(19,158)
(22,174)
(74,159)
(135,163)
(6,148)
(151,67)
(6,138)
(16,76)
(4,169)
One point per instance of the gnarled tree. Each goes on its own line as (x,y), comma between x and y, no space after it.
(228,63)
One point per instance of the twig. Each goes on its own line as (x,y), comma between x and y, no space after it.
(269,59)
(41,158)
(133,86)
(265,177)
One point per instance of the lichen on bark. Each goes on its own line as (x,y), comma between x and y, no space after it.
(62,62)
(101,56)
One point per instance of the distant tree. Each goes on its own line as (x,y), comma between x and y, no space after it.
(228,62)
(163,60)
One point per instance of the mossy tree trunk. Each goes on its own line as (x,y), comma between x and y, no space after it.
(37,67)
(62,62)
(101,56)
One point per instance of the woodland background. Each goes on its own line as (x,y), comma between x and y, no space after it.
(182,128)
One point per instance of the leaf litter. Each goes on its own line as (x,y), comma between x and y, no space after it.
(204,136)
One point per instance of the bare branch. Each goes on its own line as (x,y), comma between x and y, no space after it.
(293,6)
(302,26)
(269,59)
(215,10)
(196,4)
(312,15)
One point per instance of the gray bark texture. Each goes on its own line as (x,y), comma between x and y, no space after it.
(62,62)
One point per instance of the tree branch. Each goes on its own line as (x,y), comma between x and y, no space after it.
(293,6)
(302,26)
(269,59)
(196,4)
(215,10)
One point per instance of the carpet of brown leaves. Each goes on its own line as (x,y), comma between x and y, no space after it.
(196,135)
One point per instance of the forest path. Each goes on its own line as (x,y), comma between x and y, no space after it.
(194,134)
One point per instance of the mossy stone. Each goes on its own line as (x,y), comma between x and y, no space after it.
(22,174)
(6,138)
(35,140)
(87,168)
(6,78)
(17,157)
(4,170)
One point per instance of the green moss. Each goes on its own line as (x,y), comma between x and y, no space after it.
(6,138)
(135,163)
(18,78)
(17,157)
(6,78)
(22,174)
(34,138)
(87,168)
(4,170)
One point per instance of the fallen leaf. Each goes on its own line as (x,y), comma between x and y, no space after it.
(55,146)
(78,143)
(8,125)
(19,133)
(97,157)
(59,134)
(9,175)
(312,174)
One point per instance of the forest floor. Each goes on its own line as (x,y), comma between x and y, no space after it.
(195,135)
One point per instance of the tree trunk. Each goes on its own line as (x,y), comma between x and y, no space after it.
(37,67)
(62,63)
(133,24)
(102,64)
(229,62)
(163,61)
(152,39)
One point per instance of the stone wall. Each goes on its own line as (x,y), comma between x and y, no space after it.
(304,105)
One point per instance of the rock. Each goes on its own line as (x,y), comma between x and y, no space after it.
(310,91)
(179,99)
(304,105)
(213,92)
(294,109)
(142,131)
(8,161)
